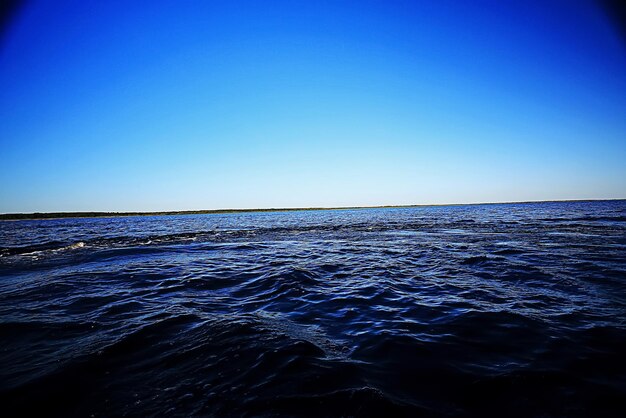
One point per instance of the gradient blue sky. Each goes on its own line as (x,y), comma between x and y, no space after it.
(226,104)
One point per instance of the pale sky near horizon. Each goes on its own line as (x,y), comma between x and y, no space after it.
(113,106)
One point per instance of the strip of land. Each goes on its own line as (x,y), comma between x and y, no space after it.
(54,215)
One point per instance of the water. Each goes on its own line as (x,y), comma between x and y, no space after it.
(504,310)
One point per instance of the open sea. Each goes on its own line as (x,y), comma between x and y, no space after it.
(511,310)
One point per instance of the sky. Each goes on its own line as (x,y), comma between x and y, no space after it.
(185,105)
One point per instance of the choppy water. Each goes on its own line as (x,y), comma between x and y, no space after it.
(507,310)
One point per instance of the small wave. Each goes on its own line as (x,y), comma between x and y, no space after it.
(587,219)
(312,334)
(51,246)
(479,259)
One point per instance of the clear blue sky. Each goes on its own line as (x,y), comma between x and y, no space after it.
(225,104)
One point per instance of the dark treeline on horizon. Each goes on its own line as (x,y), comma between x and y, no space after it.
(55,215)
(50,215)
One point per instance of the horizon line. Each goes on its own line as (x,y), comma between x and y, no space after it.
(105,214)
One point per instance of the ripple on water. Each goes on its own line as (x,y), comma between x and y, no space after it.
(514,310)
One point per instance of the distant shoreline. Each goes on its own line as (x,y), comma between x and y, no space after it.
(61,215)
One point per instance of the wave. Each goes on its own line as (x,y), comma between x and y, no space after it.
(618,218)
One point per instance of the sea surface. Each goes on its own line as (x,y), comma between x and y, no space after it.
(456,311)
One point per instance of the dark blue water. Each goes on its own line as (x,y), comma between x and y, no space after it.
(500,310)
